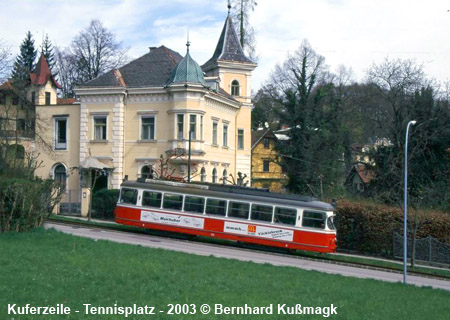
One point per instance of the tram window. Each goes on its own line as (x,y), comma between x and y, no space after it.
(128,196)
(330,223)
(216,206)
(173,201)
(285,215)
(151,199)
(260,212)
(194,204)
(238,210)
(314,219)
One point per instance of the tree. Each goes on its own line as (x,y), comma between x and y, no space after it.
(96,51)
(66,70)
(5,61)
(47,51)
(241,10)
(265,108)
(403,94)
(25,61)
(311,108)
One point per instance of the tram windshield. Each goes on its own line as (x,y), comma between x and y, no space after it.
(330,223)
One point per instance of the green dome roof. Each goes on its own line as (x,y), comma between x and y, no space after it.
(187,70)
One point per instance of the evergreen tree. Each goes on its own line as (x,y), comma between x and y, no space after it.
(311,109)
(47,51)
(25,61)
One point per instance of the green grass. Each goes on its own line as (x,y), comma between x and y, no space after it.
(322,256)
(47,268)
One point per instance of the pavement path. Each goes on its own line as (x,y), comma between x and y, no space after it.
(241,254)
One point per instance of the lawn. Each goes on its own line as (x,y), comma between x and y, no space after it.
(315,255)
(46,268)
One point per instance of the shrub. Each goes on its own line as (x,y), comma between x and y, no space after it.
(369,228)
(104,203)
(24,204)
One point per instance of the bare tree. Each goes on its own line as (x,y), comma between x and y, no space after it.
(66,69)
(96,51)
(396,80)
(5,61)
(303,70)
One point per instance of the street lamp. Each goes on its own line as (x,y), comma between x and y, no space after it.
(405,204)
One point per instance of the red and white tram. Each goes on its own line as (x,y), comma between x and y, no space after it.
(228,212)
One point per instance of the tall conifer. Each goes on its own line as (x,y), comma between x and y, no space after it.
(25,61)
(47,51)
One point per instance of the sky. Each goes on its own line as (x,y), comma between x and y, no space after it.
(353,33)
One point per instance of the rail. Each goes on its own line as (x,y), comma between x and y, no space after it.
(165,234)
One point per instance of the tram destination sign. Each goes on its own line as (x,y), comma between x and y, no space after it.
(259,231)
(172,219)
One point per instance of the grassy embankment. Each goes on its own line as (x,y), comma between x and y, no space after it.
(47,268)
(320,256)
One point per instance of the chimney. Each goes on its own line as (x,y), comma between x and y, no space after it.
(151,48)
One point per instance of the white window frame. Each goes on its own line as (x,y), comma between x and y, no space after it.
(225,134)
(176,126)
(238,88)
(214,137)
(55,133)
(194,133)
(100,116)
(243,139)
(144,116)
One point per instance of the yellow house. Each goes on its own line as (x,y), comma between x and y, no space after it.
(267,170)
(130,117)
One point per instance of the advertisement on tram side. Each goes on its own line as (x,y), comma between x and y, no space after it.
(259,231)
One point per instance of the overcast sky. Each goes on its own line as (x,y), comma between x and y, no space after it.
(354,33)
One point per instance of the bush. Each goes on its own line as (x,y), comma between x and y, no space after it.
(368,228)
(24,204)
(104,203)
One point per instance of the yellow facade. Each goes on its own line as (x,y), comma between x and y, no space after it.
(272,176)
(130,152)
(130,127)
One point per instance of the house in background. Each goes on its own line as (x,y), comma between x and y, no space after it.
(267,169)
(359,178)
(130,117)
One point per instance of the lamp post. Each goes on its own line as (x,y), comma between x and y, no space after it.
(405,204)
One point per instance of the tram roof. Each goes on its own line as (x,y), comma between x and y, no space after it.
(235,192)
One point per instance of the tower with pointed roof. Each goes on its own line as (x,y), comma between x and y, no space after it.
(230,64)
(43,85)
(156,107)
(233,70)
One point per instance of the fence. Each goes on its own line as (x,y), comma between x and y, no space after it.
(70,203)
(427,249)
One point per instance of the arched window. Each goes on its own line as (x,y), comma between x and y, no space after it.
(235,89)
(214,175)
(147,172)
(203,174)
(224,176)
(60,175)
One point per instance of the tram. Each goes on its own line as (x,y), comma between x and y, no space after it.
(228,212)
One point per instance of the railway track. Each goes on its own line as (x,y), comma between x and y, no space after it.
(159,236)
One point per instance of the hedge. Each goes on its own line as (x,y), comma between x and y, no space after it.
(368,228)
(104,203)
(24,204)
